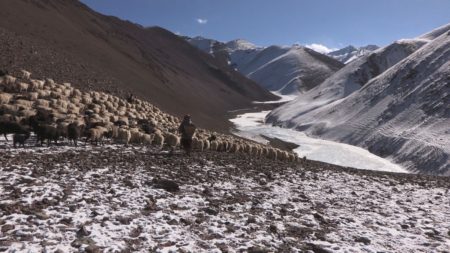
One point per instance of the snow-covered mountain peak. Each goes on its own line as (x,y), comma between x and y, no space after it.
(240,44)
(351,53)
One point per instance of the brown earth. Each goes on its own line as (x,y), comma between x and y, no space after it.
(67,41)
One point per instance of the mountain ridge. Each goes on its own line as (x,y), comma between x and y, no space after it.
(67,40)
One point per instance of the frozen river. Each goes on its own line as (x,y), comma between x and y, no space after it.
(251,126)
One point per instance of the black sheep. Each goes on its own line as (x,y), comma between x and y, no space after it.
(44,131)
(74,132)
(20,138)
(11,127)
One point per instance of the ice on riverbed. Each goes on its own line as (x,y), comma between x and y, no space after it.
(251,125)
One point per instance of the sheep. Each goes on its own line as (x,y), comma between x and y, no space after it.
(8,82)
(9,109)
(96,134)
(45,132)
(21,87)
(20,138)
(172,141)
(5,98)
(272,154)
(136,136)
(235,148)
(292,157)
(158,140)
(214,145)
(33,96)
(254,151)
(44,93)
(147,139)
(26,113)
(63,129)
(197,144)
(36,85)
(206,144)
(49,83)
(25,74)
(123,136)
(24,103)
(11,127)
(74,131)
(76,93)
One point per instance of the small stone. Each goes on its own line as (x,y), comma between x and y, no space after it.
(168,185)
(185,221)
(92,249)
(41,215)
(7,227)
(257,250)
(128,183)
(211,211)
(251,219)
(404,226)
(363,239)
(173,222)
(83,232)
(273,229)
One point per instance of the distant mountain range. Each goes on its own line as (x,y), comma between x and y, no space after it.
(351,53)
(281,69)
(395,102)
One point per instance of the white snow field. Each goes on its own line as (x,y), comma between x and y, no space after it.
(113,199)
(251,126)
(394,102)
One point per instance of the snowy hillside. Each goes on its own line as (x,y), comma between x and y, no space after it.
(127,199)
(285,70)
(349,79)
(401,112)
(289,70)
(351,53)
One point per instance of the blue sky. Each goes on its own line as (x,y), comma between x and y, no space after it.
(333,23)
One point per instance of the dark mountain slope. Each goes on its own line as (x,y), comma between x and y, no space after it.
(66,40)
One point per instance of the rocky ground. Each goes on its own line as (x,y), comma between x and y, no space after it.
(133,199)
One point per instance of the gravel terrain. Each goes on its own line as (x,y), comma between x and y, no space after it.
(134,199)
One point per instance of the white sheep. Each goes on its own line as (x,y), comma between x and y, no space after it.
(9,80)
(5,98)
(272,154)
(123,136)
(24,103)
(214,145)
(235,148)
(33,96)
(21,87)
(25,74)
(158,140)
(96,134)
(206,144)
(42,102)
(172,140)
(36,85)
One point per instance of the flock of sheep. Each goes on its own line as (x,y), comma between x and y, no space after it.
(59,111)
